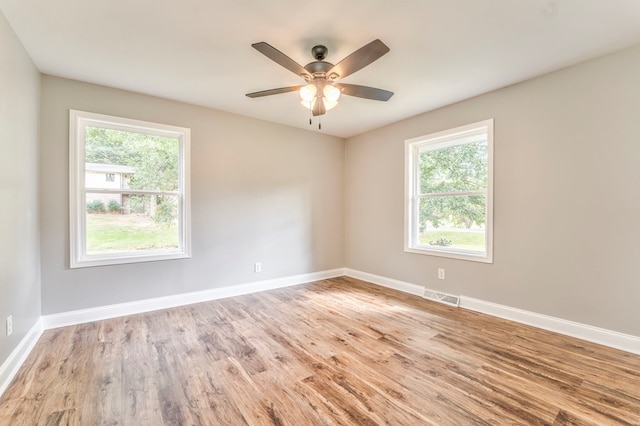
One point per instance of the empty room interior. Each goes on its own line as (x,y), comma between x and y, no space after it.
(337,213)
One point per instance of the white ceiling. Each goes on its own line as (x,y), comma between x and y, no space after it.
(199,51)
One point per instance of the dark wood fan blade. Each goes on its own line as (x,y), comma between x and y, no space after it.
(359,59)
(273,91)
(281,59)
(364,92)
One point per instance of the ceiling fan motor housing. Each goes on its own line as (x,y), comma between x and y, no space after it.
(318,69)
(319,52)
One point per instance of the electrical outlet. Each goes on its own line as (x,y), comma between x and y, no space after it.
(9,325)
(257,267)
(440,274)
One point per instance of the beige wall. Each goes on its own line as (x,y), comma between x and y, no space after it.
(19,261)
(567,196)
(261,192)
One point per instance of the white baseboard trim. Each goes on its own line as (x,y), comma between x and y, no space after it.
(402,286)
(613,339)
(130,308)
(19,355)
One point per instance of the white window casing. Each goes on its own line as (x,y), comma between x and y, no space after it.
(476,133)
(79,256)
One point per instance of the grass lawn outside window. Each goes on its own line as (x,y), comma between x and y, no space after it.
(112,233)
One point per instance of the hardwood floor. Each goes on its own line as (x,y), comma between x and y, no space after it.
(332,352)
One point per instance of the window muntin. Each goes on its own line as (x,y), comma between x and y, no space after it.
(143,213)
(449,184)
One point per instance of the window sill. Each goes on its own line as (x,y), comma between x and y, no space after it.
(122,258)
(452,254)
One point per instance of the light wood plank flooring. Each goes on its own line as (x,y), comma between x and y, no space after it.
(334,352)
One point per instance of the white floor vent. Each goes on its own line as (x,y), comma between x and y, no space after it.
(436,296)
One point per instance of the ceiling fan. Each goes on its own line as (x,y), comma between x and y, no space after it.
(321,90)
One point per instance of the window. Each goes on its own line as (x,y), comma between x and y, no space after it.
(449,193)
(140,212)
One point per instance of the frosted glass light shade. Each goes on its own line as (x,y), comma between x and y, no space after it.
(308,92)
(329,104)
(331,93)
(309,96)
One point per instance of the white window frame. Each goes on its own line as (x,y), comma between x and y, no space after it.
(78,121)
(439,140)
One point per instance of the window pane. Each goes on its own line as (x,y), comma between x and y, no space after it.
(453,169)
(130,160)
(130,223)
(129,198)
(449,193)
(455,222)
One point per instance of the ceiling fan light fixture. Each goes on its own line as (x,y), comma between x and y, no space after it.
(308,93)
(331,93)
(329,104)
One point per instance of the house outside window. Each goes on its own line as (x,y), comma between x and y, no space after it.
(129,190)
(449,193)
